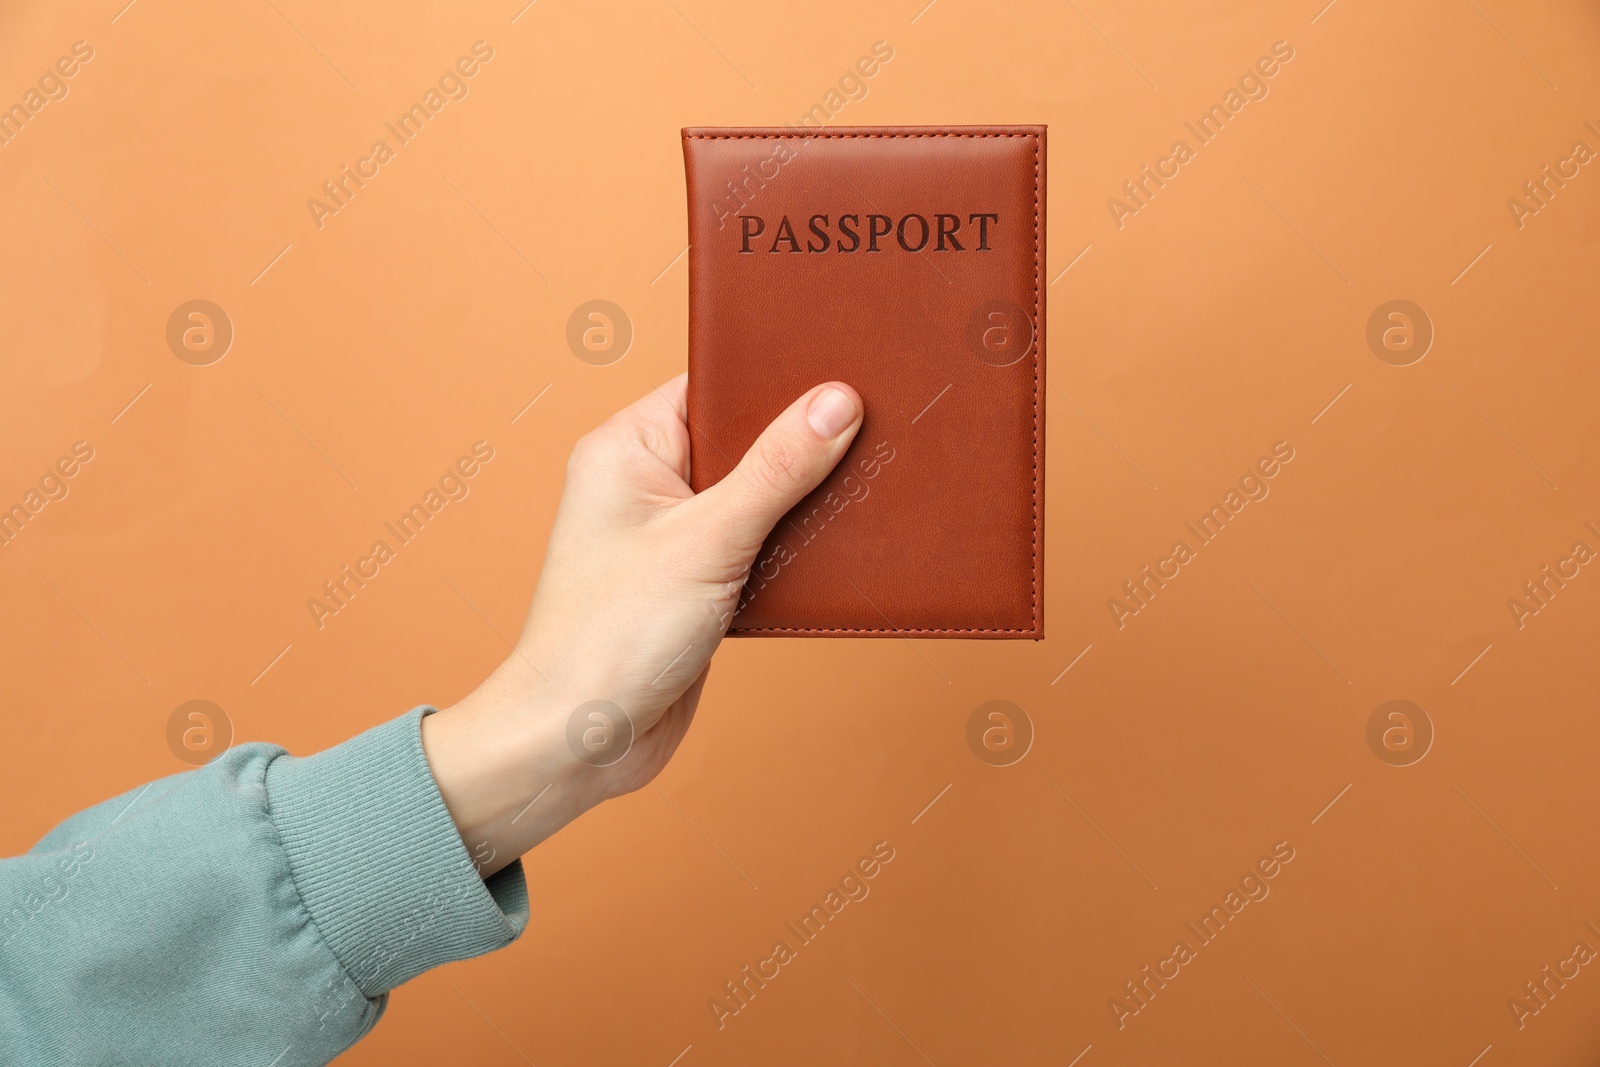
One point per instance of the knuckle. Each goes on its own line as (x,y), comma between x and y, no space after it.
(621,444)
(776,465)
(589,450)
(650,435)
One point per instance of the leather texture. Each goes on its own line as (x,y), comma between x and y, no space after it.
(908,262)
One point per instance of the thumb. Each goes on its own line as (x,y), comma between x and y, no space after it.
(790,458)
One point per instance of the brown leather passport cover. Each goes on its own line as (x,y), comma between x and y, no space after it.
(909,263)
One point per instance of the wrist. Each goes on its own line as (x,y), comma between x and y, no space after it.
(505,769)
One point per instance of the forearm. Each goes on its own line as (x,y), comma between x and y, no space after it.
(260,906)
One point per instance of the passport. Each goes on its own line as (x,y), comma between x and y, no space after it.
(908,262)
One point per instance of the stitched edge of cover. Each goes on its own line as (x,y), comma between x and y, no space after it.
(1038,363)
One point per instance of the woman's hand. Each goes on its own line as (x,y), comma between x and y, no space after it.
(640,581)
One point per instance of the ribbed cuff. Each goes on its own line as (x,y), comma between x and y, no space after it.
(378,861)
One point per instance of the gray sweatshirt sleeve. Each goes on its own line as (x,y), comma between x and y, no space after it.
(255,911)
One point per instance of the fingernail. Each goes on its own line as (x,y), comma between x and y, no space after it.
(831,412)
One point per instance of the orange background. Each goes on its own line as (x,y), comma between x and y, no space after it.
(1224,316)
